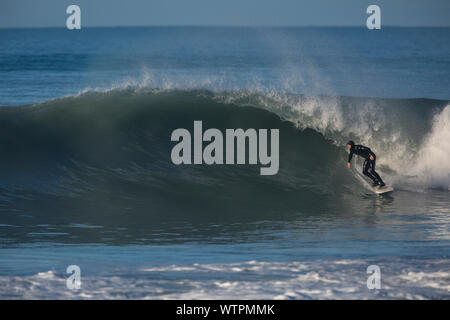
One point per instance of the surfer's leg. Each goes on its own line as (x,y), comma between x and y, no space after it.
(375,174)
(366,172)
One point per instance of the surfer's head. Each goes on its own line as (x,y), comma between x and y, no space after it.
(350,144)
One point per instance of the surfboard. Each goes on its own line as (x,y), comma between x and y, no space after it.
(381,190)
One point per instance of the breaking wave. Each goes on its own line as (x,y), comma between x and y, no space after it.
(110,151)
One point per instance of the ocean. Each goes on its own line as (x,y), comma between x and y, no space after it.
(86,176)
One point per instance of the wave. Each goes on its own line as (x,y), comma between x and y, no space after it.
(115,146)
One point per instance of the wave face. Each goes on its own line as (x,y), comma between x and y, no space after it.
(104,156)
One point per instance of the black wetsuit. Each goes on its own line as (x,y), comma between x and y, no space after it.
(369,165)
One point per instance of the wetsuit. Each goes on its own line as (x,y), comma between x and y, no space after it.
(369,164)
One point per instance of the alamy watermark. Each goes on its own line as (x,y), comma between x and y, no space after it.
(73,282)
(374,280)
(213,152)
(74,20)
(374,20)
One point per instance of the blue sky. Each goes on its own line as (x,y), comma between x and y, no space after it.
(52,13)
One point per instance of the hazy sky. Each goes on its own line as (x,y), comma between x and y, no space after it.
(45,13)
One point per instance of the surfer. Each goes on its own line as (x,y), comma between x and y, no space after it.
(369,163)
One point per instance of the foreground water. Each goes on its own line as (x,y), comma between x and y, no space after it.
(87,180)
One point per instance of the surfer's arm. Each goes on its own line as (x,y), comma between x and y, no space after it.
(349,158)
